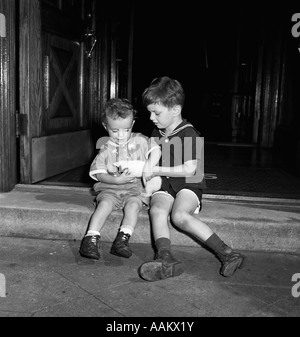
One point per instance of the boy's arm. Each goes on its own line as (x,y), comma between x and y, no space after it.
(100,170)
(188,169)
(150,163)
(151,169)
(192,148)
(123,178)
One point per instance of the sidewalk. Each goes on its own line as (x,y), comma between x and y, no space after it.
(48,278)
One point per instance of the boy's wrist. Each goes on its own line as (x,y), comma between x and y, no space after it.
(155,170)
(118,180)
(111,179)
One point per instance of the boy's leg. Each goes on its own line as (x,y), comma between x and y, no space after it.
(90,244)
(164,265)
(131,210)
(182,216)
(160,208)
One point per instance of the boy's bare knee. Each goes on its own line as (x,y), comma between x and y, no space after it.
(157,210)
(133,206)
(179,218)
(105,204)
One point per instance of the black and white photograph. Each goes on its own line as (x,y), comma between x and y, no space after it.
(149,162)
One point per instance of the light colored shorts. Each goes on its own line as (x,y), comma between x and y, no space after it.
(120,194)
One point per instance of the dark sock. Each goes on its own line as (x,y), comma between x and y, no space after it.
(163,243)
(215,243)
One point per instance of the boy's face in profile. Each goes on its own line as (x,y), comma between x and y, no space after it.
(119,130)
(161,115)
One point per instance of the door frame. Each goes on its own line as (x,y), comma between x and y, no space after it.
(30,81)
(8,149)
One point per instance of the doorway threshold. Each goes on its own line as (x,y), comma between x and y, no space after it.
(50,187)
(64,183)
(231,144)
(78,177)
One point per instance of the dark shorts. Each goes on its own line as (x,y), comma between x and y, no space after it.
(166,187)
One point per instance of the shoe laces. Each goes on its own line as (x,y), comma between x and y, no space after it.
(125,237)
(94,239)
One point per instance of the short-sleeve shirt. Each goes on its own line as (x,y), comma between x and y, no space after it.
(182,145)
(110,153)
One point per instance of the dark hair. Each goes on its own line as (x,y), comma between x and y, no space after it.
(117,108)
(164,90)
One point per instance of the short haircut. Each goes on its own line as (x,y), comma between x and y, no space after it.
(117,108)
(164,90)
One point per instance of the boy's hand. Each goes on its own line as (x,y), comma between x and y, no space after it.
(125,177)
(134,166)
(147,175)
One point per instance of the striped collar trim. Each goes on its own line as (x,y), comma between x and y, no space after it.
(175,131)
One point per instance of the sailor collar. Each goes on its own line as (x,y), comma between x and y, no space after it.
(183,125)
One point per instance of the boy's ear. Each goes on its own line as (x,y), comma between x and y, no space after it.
(177,109)
(104,125)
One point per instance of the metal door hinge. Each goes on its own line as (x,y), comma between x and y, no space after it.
(21,124)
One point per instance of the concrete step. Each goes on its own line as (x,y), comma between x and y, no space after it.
(59,212)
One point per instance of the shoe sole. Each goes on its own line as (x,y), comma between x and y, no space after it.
(88,256)
(114,252)
(232,267)
(156,270)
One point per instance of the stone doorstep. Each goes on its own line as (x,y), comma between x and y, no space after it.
(244,223)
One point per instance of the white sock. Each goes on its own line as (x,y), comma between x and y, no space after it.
(126,231)
(90,233)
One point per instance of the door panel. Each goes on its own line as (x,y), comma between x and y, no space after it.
(62,78)
(55,154)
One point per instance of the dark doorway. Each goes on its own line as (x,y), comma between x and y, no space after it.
(208,49)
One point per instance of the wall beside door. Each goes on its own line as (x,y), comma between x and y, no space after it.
(286,137)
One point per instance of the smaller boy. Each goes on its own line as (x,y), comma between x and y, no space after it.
(118,187)
(181,168)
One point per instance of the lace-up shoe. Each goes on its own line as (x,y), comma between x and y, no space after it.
(164,266)
(120,246)
(90,247)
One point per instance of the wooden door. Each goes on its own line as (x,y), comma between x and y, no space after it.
(53,91)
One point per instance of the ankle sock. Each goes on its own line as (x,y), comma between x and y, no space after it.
(214,243)
(91,232)
(126,231)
